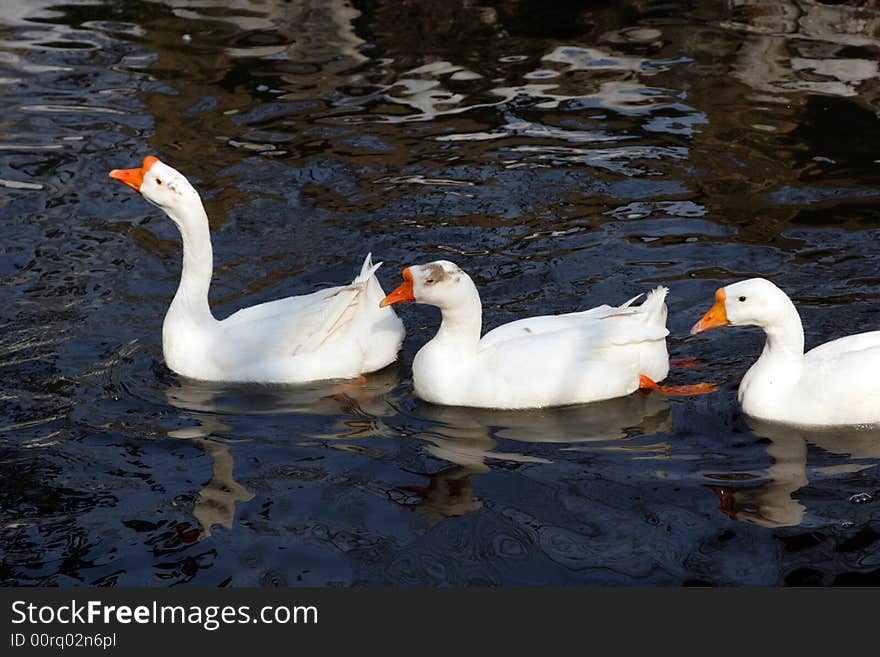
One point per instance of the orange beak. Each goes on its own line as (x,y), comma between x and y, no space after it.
(402,293)
(716,317)
(134,178)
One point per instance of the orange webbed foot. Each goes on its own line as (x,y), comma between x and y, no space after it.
(646,383)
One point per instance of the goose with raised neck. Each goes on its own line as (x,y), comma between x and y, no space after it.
(334,333)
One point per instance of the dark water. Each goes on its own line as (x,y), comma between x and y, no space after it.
(566,157)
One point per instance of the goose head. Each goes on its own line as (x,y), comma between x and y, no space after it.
(753,302)
(440,283)
(161,185)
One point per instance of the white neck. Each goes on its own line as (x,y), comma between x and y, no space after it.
(785,337)
(462,322)
(770,382)
(191,300)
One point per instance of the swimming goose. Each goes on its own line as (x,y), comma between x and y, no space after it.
(833,384)
(530,363)
(335,333)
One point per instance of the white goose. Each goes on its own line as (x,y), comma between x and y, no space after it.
(834,384)
(336,333)
(530,363)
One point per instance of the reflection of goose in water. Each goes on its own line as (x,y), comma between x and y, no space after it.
(206,402)
(772,504)
(215,503)
(449,493)
(317,398)
(612,419)
(468,437)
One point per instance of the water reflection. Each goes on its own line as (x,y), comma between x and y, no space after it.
(208,403)
(367,397)
(561,150)
(470,438)
(610,420)
(795,47)
(773,503)
(216,501)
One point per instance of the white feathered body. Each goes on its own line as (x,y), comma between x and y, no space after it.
(335,333)
(550,360)
(836,383)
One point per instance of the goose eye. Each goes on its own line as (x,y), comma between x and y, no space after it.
(742,298)
(158,181)
(429,281)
